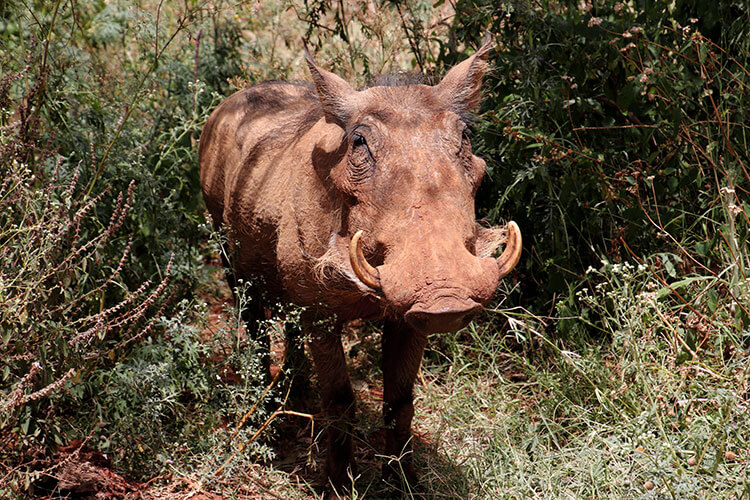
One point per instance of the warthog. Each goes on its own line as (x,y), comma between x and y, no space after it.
(359,204)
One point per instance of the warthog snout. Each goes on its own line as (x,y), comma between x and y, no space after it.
(445,315)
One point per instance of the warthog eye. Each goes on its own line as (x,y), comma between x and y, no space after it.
(358,140)
(360,159)
(473,166)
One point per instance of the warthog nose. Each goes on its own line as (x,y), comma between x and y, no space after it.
(445,315)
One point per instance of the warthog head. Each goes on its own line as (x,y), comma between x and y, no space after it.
(409,178)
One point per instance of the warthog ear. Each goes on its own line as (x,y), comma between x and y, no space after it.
(334,92)
(462,86)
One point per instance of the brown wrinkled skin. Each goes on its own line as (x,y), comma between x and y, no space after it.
(293,171)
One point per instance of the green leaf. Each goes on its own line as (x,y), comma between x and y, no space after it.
(669,267)
(703,247)
(712,298)
(25,424)
(683,357)
(678,285)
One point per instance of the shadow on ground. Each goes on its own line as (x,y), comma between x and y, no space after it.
(300,446)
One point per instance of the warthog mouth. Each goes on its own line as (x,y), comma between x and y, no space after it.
(443,314)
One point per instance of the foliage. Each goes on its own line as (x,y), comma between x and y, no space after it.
(361,45)
(609,124)
(100,239)
(614,133)
(658,410)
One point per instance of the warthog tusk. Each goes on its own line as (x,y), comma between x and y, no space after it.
(364,271)
(512,253)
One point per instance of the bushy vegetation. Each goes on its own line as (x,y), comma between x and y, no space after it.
(614,364)
(102,239)
(610,124)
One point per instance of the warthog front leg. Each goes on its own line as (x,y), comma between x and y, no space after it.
(338,402)
(402,356)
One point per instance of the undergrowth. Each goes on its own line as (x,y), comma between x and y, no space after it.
(613,365)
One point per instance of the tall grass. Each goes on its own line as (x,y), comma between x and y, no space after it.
(614,364)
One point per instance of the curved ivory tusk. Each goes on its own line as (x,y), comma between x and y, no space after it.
(512,253)
(364,271)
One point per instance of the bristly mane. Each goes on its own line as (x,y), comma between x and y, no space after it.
(398,79)
(403,79)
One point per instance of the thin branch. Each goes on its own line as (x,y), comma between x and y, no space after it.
(414,45)
(181,25)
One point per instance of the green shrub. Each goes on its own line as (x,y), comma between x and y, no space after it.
(101,239)
(600,128)
(65,310)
